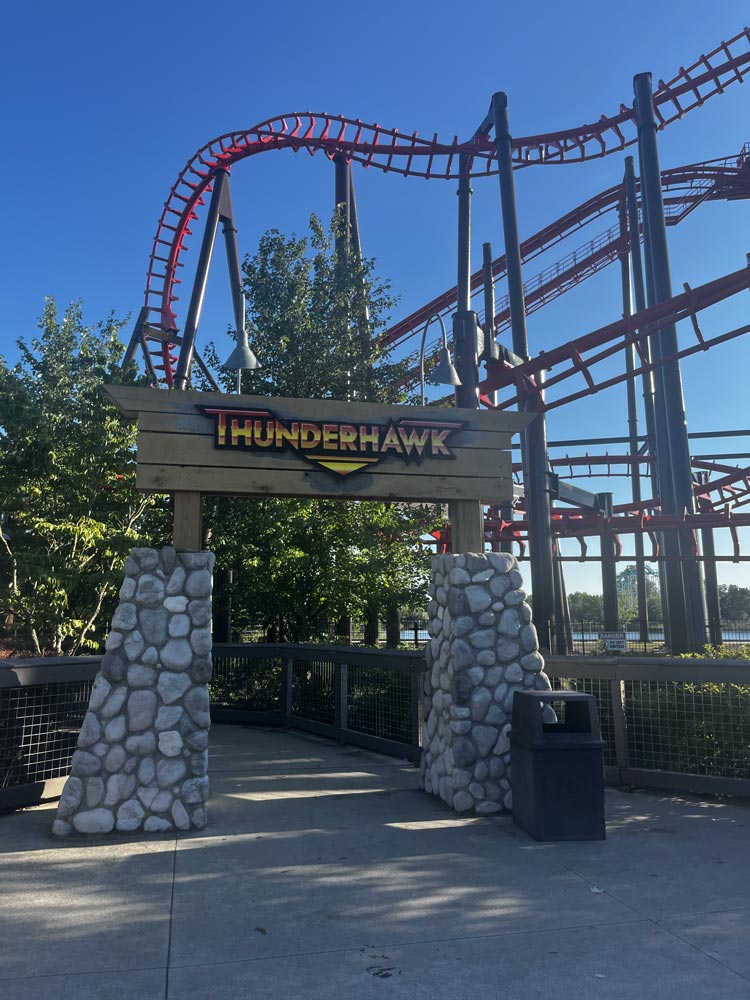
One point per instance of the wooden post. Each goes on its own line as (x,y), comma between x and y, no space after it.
(467,526)
(188,520)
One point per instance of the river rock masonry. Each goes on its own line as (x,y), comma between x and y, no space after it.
(142,756)
(483,648)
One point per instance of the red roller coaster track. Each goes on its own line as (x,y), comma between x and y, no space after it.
(409,155)
(684,188)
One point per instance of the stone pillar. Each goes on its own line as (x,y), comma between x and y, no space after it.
(483,648)
(142,756)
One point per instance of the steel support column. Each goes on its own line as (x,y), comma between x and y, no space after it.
(466,516)
(343,197)
(609,569)
(185,360)
(686,602)
(647,379)
(534,450)
(491,350)
(635,472)
(713,605)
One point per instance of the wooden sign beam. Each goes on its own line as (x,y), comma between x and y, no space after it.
(215,443)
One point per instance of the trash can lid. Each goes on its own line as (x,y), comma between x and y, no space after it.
(577,724)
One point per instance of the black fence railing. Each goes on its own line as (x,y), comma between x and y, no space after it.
(411,632)
(42,705)
(367,697)
(667,723)
(584,637)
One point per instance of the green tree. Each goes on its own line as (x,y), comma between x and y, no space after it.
(734,602)
(314,319)
(67,474)
(627,595)
(585,607)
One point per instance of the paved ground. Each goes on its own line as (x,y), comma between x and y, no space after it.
(326,874)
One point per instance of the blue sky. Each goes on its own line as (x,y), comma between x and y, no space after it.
(103,103)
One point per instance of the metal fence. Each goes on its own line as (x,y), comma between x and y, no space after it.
(583,637)
(367,697)
(412,632)
(42,705)
(667,723)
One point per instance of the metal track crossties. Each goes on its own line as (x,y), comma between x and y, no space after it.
(407,154)
(684,189)
(632,329)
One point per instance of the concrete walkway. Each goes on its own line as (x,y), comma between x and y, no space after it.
(326,874)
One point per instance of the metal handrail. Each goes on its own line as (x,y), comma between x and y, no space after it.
(25,672)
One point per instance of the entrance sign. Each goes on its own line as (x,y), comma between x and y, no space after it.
(339,447)
(214,443)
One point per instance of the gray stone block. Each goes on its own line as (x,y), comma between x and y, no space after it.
(506,649)
(99,692)
(114,665)
(91,730)
(114,703)
(201,641)
(141,710)
(144,744)
(152,623)
(119,786)
(483,639)
(179,816)
(133,645)
(94,821)
(478,597)
(130,815)
(170,771)
(463,801)
(115,729)
(457,603)
(170,743)
(171,686)
(464,752)
(484,738)
(198,583)
(200,612)
(85,763)
(177,654)
(140,675)
(94,792)
(503,562)
(124,617)
(157,824)
(71,796)
(196,704)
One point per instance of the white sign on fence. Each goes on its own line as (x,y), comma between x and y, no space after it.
(614,642)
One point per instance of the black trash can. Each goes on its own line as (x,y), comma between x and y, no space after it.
(557,767)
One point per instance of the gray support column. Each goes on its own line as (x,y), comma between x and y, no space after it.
(609,572)
(686,609)
(635,471)
(184,363)
(534,451)
(343,197)
(649,403)
(142,757)
(466,515)
(483,648)
(647,379)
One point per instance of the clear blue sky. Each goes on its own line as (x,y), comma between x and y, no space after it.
(104,103)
